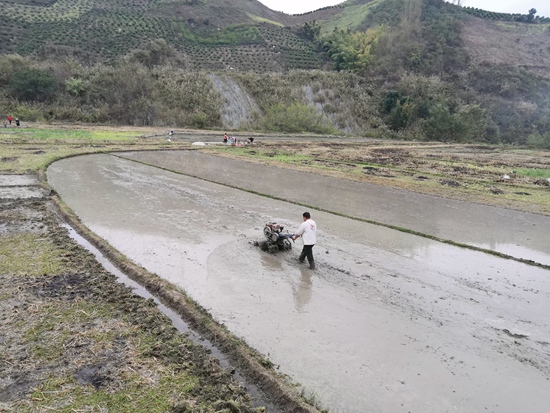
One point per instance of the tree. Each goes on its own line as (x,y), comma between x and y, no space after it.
(531,15)
(33,84)
(310,31)
(352,51)
(74,86)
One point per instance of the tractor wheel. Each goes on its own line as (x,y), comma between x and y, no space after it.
(272,248)
(287,245)
(263,246)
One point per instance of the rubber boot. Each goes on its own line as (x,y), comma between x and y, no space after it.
(312,265)
(302,257)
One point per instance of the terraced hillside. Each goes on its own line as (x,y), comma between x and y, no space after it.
(214,35)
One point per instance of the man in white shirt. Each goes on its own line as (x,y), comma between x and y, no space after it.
(307,231)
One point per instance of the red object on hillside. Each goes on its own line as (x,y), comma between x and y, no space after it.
(10,118)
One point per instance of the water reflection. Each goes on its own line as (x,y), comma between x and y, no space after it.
(271,262)
(301,289)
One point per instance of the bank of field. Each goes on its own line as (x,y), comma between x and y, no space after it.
(73,339)
(505,176)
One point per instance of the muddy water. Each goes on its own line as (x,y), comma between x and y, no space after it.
(511,232)
(389,322)
(258,398)
(20,187)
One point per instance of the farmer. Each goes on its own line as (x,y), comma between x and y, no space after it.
(10,119)
(17,123)
(225,138)
(307,231)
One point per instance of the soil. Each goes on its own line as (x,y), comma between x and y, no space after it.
(475,173)
(71,337)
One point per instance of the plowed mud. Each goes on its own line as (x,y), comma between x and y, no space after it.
(388,322)
(73,339)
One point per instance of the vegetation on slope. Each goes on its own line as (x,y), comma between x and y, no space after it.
(402,70)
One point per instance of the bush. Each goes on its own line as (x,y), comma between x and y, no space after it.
(29,113)
(200,120)
(296,118)
(33,85)
(9,65)
(539,140)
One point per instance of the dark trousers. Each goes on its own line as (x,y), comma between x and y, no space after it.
(307,251)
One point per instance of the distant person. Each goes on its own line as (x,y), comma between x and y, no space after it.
(225,138)
(10,119)
(17,123)
(308,232)
(251,140)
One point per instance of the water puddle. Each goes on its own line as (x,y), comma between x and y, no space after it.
(18,180)
(258,397)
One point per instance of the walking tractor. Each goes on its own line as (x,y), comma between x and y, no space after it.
(275,239)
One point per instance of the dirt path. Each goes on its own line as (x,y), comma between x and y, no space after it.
(390,322)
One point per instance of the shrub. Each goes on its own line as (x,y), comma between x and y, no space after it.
(9,65)
(200,120)
(33,85)
(74,86)
(296,118)
(539,140)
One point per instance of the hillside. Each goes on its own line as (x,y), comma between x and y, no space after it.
(212,35)
(404,69)
(508,43)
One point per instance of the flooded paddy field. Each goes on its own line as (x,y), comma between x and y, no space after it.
(518,234)
(389,322)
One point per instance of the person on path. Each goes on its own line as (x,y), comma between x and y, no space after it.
(10,119)
(17,123)
(307,231)
(225,138)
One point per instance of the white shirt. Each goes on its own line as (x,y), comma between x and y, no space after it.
(308,231)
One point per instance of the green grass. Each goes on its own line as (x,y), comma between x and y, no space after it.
(534,173)
(264,20)
(48,338)
(29,254)
(49,145)
(139,397)
(79,135)
(350,18)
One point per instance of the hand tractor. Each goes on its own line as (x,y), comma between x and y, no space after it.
(275,239)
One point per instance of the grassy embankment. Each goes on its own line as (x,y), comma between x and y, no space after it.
(30,150)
